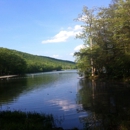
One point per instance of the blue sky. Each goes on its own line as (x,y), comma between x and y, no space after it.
(43,27)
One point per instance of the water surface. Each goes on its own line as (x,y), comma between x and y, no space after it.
(73,102)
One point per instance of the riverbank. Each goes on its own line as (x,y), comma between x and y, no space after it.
(7,76)
(12,120)
(18,120)
(105,78)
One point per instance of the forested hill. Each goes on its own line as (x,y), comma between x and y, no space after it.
(16,62)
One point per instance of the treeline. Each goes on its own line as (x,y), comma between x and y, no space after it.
(106,36)
(15,62)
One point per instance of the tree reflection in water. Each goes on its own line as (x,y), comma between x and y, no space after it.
(108,105)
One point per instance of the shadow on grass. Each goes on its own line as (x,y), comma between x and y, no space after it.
(18,120)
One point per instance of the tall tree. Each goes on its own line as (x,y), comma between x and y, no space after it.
(109,30)
(88,18)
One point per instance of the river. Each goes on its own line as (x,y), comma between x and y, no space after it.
(73,102)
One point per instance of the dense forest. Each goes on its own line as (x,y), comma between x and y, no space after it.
(106,36)
(16,62)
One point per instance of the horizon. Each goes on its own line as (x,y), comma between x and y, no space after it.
(39,55)
(43,28)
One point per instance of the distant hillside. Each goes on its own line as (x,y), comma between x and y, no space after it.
(16,62)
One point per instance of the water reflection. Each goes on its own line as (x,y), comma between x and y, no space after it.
(11,89)
(108,103)
(65,105)
(77,103)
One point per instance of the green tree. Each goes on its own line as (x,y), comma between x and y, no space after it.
(108,30)
(11,63)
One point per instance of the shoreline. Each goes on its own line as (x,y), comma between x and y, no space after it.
(7,76)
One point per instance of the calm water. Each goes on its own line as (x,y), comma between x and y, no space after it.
(73,102)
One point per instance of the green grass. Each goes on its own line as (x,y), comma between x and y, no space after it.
(18,120)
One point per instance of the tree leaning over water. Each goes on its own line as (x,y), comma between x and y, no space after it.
(109,31)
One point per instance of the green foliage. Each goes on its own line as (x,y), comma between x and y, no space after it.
(15,62)
(109,30)
(11,63)
(18,120)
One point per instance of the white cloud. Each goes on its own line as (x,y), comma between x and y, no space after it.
(62,36)
(78,27)
(55,56)
(83,18)
(77,48)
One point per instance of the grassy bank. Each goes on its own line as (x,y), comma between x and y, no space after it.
(18,120)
